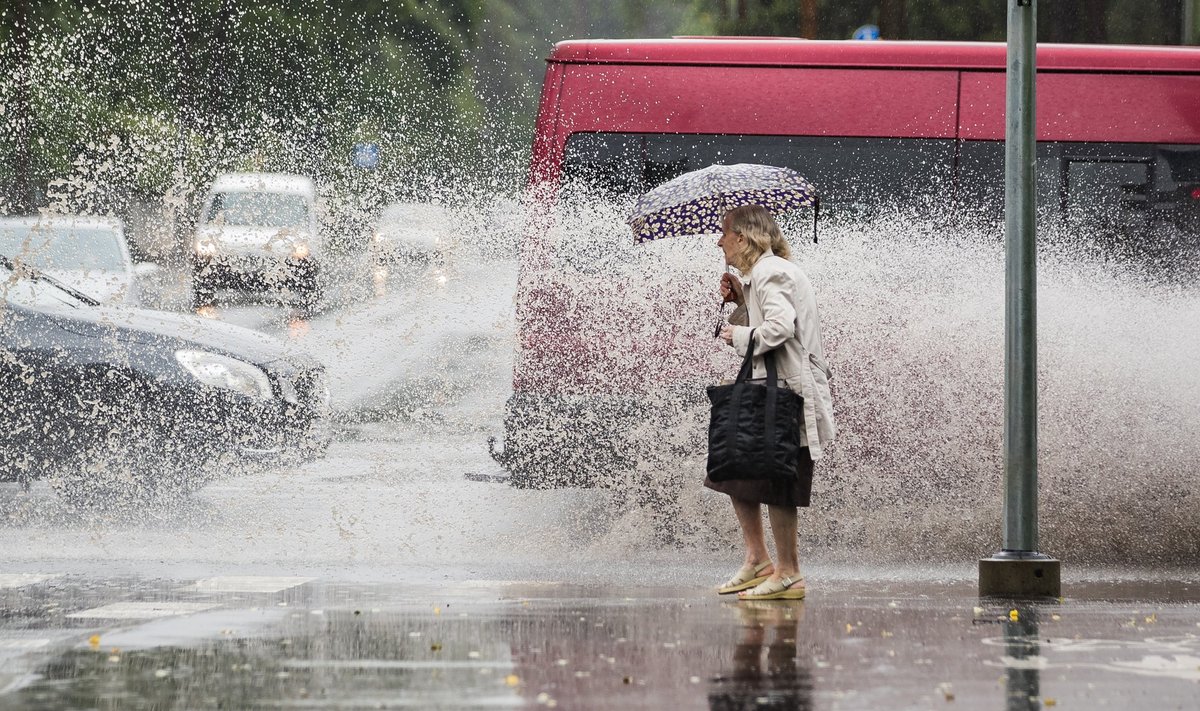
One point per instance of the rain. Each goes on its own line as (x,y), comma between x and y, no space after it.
(315,397)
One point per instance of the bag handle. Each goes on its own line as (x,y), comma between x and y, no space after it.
(747,369)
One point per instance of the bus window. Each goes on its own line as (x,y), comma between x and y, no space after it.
(1177,187)
(1098,192)
(980,190)
(857,176)
(606,163)
(1103,194)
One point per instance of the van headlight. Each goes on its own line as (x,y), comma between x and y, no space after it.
(300,250)
(227,373)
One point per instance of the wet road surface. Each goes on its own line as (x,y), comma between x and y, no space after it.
(241,641)
(381,577)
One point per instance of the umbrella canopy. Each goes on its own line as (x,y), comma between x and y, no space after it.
(695,202)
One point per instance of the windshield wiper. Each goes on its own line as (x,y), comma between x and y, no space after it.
(38,275)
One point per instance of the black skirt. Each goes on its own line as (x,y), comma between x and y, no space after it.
(795,491)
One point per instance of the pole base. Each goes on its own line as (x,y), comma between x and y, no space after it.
(1019,574)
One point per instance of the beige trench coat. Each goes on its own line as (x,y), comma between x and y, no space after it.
(782,310)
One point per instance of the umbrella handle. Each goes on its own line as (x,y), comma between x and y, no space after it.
(720,313)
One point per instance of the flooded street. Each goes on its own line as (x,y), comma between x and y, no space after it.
(235,641)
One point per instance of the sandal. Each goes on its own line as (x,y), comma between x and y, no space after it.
(747,577)
(776,590)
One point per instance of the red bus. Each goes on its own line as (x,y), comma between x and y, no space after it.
(873,125)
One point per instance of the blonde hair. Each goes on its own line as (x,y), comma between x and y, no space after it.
(754,222)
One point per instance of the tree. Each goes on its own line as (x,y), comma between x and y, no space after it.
(808,19)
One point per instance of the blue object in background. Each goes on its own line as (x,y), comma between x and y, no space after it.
(365,155)
(866,32)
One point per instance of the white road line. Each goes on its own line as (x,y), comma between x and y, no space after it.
(22,644)
(142,610)
(20,580)
(247,584)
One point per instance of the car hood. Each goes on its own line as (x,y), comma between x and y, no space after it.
(183,331)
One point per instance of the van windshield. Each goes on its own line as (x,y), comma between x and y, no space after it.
(259,209)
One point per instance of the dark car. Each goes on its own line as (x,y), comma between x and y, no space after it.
(109,401)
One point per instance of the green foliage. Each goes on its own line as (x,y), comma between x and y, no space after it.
(192,87)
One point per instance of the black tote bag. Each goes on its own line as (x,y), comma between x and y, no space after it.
(754,428)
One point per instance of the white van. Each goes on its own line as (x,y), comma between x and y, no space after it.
(258,230)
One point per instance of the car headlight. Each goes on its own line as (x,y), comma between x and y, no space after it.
(228,373)
(300,250)
(205,247)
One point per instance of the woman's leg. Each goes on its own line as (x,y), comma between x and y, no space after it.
(749,517)
(784,529)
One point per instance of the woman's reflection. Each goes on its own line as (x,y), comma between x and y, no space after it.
(766,672)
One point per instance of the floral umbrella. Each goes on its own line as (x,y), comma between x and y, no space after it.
(694,203)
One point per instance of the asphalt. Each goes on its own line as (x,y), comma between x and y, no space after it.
(236,641)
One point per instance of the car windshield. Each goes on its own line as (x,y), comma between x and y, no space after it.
(54,247)
(25,286)
(259,209)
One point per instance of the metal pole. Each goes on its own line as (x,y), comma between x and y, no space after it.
(1020,313)
(1019,570)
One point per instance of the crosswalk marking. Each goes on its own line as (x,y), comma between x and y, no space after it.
(20,580)
(142,610)
(247,584)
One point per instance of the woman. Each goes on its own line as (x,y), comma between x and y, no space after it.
(779,306)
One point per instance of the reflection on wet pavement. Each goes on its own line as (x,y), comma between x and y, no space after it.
(379,280)
(241,641)
(766,670)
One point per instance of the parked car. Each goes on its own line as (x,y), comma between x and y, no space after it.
(412,234)
(106,400)
(259,230)
(88,253)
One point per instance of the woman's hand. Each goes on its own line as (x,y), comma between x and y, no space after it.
(731,289)
(727,334)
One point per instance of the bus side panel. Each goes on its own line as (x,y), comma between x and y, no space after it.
(1109,108)
(546,161)
(758,101)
